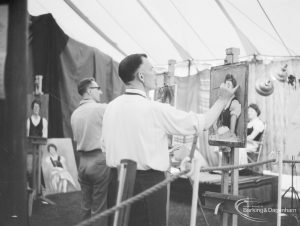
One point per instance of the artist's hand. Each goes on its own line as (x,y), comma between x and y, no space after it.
(225,92)
(186,164)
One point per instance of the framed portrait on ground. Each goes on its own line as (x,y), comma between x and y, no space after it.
(230,128)
(59,166)
(37,116)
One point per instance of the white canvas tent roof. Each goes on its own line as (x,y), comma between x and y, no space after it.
(180,29)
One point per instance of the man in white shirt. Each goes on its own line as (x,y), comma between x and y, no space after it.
(136,128)
(93,174)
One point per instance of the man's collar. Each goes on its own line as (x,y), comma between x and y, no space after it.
(136,91)
(84,101)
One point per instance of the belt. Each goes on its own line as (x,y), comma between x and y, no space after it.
(90,152)
(141,171)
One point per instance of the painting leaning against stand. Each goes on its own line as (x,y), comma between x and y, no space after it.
(59,167)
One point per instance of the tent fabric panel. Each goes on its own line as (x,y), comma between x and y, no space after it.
(80,61)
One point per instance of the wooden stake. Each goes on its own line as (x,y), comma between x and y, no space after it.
(279,187)
(122,174)
(197,166)
(125,190)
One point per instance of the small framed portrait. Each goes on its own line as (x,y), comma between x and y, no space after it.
(230,128)
(59,166)
(166,94)
(37,116)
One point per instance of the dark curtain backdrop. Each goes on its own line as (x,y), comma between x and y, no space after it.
(63,62)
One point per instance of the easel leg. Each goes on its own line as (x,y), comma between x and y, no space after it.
(234,159)
(225,185)
(195,196)
(33,192)
(34,170)
(39,165)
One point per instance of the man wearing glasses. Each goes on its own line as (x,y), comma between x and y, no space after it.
(93,174)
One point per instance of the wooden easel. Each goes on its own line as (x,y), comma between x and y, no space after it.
(36,193)
(37,143)
(230,157)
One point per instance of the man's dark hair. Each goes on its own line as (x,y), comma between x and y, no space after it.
(35,101)
(51,145)
(255,108)
(229,77)
(129,65)
(84,84)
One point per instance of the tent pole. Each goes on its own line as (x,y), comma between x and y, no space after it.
(13,189)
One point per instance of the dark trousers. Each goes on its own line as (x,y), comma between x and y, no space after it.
(93,176)
(150,211)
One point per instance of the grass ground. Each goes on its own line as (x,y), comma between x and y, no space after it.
(66,213)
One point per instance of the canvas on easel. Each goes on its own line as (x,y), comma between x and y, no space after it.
(230,128)
(37,133)
(37,115)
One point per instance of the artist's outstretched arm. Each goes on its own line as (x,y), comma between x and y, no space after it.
(214,112)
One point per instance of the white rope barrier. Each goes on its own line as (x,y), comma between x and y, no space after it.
(196,171)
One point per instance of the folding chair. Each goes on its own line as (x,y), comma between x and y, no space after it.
(255,156)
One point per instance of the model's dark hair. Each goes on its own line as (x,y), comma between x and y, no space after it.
(35,101)
(84,84)
(129,65)
(229,77)
(255,108)
(51,145)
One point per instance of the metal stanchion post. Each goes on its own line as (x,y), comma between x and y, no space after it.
(279,188)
